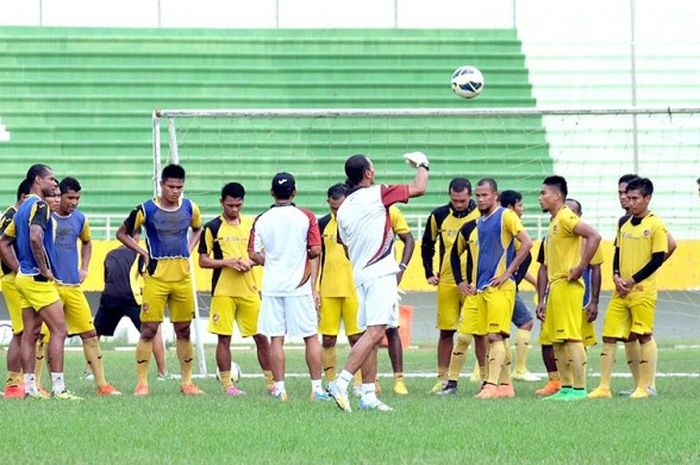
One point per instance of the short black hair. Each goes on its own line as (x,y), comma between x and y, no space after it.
(579,209)
(24,188)
(234,190)
(355,168)
(488,182)
(698,180)
(559,182)
(643,185)
(35,170)
(69,184)
(626,178)
(510,198)
(172,171)
(337,191)
(459,185)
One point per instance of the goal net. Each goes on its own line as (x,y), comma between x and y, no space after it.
(518,147)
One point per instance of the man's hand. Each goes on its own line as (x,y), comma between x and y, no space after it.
(592,312)
(575,273)
(83,275)
(399,276)
(433,280)
(416,159)
(466,288)
(47,273)
(541,310)
(498,280)
(146,259)
(317,301)
(621,286)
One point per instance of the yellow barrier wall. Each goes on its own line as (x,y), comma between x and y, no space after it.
(680,273)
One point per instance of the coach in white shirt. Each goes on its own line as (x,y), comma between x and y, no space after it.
(286,240)
(365,229)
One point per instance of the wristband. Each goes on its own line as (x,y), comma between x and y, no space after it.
(403,266)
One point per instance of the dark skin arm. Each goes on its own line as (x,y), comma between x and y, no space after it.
(596,280)
(408,245)
(8,253)
(36,241)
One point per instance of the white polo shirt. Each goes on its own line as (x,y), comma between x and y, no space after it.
(364,227)
(285,233)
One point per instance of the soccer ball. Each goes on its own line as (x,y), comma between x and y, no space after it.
(467,81)
(235,372)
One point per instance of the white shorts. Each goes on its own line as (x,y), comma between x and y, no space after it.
(288,316)
(394,316)
(377,299)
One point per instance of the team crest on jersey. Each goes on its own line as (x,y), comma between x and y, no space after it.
(216,317)
(554,228)
(145,307)
(647,233)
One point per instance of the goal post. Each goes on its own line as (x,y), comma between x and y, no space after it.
(518,147)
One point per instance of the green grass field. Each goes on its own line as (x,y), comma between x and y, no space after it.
(167,428)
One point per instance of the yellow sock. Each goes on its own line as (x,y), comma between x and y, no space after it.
(562,358)
(647,362)
(269,378)
(459,355)
(398,376)
(497,356)
(442,374)
(653,360)
(328,360)
(93,355)
(144,351)
(225,378)
(185,354)
(504,378)
(632,352)
(579,363)
(39,363)
(14,378)
(522,344)
(607,363)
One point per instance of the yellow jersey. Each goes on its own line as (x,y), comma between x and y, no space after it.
(221,240)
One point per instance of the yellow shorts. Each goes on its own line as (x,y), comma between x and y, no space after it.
(564,310)
(36,294)
(449,306)
(225,310)
(333,309)
(471,320)
(631,314)
(76,310)
(497,304)
(588,331)
(177,295)
(14,303)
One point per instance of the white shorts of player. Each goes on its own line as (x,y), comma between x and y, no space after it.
(288,316)
(377,299)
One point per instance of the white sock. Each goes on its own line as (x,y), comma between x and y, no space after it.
(344,380)
(369,393)
(316,385)
(57,382)
(30,383)
(279,387)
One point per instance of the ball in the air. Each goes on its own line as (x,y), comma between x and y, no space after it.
(467,81)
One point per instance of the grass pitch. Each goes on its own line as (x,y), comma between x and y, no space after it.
(168,428)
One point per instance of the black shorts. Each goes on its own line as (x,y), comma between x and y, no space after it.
(108,316)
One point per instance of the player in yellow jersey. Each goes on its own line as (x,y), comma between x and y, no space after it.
(641,247)
(32,229)
(472,323)
(166,220)
(223,248)
(592,278)
(561,272)
(497,228)
(632,348)
(442,227)
(338,296)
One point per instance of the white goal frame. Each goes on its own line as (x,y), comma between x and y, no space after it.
(173,157)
